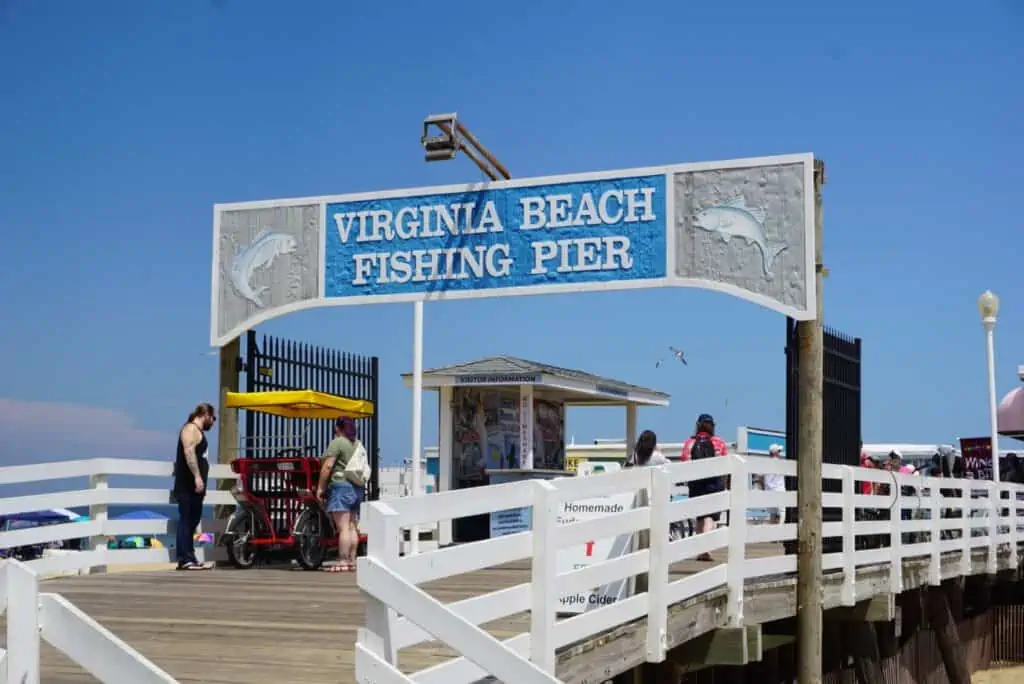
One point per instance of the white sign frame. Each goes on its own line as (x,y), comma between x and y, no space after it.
(808,312)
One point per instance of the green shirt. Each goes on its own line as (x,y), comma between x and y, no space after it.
(340,449)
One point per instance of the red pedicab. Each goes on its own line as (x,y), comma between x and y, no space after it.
(277,507)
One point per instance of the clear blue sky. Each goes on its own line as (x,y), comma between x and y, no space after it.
(124,122)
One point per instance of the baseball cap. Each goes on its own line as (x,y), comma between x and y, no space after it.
(705,418)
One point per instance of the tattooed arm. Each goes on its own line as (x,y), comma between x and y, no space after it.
(190,437)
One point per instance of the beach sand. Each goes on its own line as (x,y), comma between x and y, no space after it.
(1003,675)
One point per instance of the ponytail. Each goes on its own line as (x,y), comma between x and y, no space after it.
(203,409)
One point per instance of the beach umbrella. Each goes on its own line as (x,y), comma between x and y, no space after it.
(141,515)
(137,542)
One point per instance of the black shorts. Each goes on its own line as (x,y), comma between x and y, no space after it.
(711,485)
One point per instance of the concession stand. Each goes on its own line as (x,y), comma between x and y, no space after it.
(502,419)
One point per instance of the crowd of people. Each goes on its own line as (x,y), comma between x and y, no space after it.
(342,497)
(945,463)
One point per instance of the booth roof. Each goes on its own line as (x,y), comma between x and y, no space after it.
(457,374)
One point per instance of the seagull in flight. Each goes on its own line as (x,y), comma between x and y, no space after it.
(678,353)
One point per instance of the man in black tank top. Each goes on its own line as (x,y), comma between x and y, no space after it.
(191,470)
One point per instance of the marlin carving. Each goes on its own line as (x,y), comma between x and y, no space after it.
(260,254)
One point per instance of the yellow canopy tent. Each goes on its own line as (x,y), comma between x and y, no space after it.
(300,404)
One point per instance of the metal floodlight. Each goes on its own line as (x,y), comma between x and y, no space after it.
(453,138)
(441,147)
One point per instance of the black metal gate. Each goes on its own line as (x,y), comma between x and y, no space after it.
(278,364)
(841,413)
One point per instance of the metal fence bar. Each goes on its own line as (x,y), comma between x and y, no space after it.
(273,363)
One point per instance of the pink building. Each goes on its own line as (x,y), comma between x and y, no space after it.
(1010,416)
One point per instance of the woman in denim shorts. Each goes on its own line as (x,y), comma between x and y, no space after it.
(342,496)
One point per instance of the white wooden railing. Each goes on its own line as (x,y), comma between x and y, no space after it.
(99,496)
(32,615)
(400,614)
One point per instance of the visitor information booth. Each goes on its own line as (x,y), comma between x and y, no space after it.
(502,419)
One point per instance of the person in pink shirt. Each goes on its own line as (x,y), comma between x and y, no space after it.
(705,444)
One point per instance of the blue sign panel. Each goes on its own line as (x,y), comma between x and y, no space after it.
(751,440)
(587,232)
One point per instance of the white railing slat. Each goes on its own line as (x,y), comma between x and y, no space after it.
(478,610)
(605,572)
(611,525)
(763,567)
(456,560)
(416,510)
(464,670)
(758,534)
(463,636)
(688,471)
(97,650)
(701,506)
(691,547)
(605,484)
(694,585)
(599,620)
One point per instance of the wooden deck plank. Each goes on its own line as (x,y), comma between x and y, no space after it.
(267,624)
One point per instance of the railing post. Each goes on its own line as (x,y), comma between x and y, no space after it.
(935,559)
(848,593)
(657,574)
(965,530)
(98,512)
(22,623)
(382,544)
(992,561)
(896,540)
(544,576)
(737,563)
(1014,531)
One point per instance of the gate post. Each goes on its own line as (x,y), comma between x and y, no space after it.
(811,382)
(22,589)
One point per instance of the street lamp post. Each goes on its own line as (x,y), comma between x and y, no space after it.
(988,305)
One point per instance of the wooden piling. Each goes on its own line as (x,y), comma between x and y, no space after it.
(867,659)
(811,359)
(951,648)
(227,418)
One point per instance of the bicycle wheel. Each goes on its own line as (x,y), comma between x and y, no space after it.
(307,533)
(241,550)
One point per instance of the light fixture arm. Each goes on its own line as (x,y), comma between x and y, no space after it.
(456,137)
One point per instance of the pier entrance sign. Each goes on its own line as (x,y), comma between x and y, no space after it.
(744,227)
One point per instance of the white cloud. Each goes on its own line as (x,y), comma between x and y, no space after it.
(34,431)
